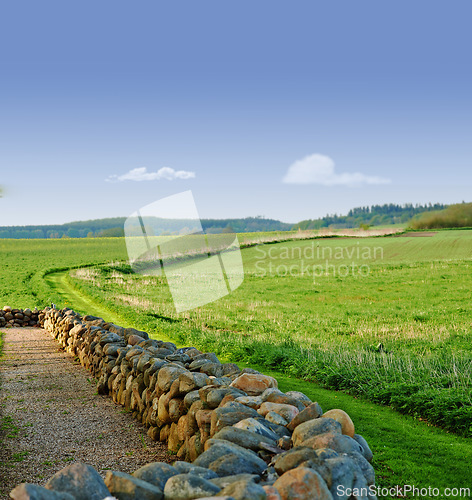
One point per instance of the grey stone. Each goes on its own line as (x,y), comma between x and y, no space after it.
(213,369)
(251,401)
(143,359)
(337,442)
(275,418)
(134,351)
(167,375)
(169,345)
(181,357)
(245,438)
(314,427)
(26,491)
(188,486)
(299,395)
(293,458)
(213,396)
(311,412)
(110,338)
(227,458)
(227,416)
(253,425)
(342,473)
(160,352)
(187,468)
(126,487)
(269,391)
(367,469)
(280,430)
(190,381)
(222,482)
(190,398)
(133,331)
(207,357)
(82,481)
(111,349)
(366,451)
(244,490)
(230,369)
(156,473)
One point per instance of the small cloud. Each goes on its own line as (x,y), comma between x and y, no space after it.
(141,174)
(319,169)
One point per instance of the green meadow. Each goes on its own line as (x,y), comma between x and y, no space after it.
(384,319)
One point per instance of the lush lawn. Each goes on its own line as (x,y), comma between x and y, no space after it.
(391,320)
(23,264)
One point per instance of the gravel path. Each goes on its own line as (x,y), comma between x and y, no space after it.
(51,416)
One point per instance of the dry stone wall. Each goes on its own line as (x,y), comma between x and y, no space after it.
(18,318)
(234,433)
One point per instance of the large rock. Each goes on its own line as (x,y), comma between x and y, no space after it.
(364,466)
(186,468)
(226,458)
(126,487)
(244,490)
(314,427)
(253,425)
(27,491)
(282,398)
(300,396)
(222,482)
(275,418)
(167,375)
(156,473)
(337,442)
(254,384)
(302,484)
(190,381)
(253,402)
(297,456)
(286,411)
(309,413)
(110,338)
(188,486)
(347,425)
(213,396)
(82,481)
(246,439)
(366,451)
(228,416)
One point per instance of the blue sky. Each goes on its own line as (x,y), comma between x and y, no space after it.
(287,110)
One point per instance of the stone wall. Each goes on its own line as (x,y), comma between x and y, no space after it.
(18,318)
(234,433)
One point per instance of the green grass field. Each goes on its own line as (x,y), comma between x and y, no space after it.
(396,331)
(386,318)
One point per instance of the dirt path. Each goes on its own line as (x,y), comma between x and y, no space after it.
(51,416)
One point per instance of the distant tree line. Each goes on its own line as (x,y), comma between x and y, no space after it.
(457,215)
(375,215)
(114,227)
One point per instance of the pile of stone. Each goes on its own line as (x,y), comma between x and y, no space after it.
(18,318)
(234,433)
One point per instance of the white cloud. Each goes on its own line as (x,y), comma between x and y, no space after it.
(319,169)
(141,174)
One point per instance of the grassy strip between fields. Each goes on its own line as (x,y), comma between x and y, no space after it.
(407,451)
